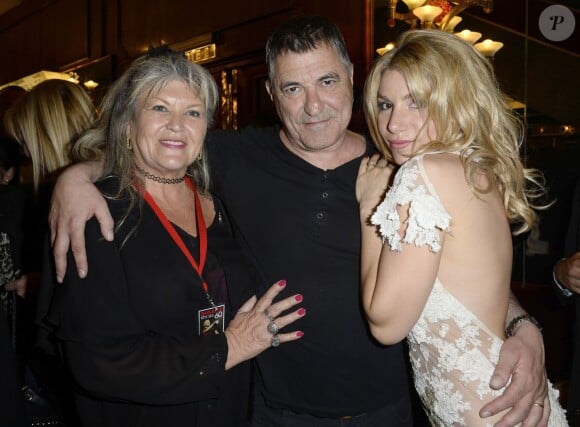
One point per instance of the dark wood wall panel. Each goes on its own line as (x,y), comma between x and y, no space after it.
(48,38)
(56,34)
(152,23)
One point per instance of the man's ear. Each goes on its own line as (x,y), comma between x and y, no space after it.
(269,90)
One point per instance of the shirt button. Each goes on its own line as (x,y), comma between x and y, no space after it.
(320,215)
(325,195)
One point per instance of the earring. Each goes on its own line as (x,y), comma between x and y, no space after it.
(128,143)
(200,156)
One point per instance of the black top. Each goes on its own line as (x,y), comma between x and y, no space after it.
(129,332)
(12,208)
(300,223)
(11,212)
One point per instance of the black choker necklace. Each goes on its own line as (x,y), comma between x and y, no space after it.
(158,178)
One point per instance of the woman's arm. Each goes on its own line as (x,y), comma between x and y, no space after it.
(394,298)
(395,284)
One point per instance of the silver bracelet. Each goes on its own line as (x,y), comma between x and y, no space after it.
(516,321)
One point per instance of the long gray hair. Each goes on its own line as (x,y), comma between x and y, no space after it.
(146,76)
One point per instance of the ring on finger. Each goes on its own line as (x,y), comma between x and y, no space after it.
(539,405)
(268,315)
(372,164)
(275,341)
(272,328)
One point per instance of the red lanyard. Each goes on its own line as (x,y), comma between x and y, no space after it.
(201,233)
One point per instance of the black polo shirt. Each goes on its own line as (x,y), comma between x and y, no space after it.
(301,223)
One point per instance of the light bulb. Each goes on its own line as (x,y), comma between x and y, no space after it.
(488,47)
(469,36)
(413,4)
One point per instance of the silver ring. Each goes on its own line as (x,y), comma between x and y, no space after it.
(275,341)
(273,328)
(270,318)
(371,164)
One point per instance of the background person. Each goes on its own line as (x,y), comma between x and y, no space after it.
(11,213)
(45,121)
(567,279)
(290,191)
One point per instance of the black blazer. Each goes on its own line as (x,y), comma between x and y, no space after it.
(129,333)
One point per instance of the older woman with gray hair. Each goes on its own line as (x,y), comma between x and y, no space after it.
(158,334)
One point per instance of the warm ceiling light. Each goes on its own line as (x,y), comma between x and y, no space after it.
(413,4)
(488,47)
(452,23)
(427,14)
(382,50)
(90,84)
(469,36)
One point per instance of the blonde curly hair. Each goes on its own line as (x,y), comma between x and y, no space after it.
(457,86)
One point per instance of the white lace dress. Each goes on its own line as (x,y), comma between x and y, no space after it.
(453,354)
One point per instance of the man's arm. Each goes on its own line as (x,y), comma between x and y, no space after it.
(74,201)
(522,364)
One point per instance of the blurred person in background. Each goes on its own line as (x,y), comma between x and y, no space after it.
(45,122)
(11,214)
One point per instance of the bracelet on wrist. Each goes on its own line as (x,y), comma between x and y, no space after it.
(517,321)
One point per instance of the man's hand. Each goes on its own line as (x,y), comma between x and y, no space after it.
(74,201)
(18,285)
(568,272)
(521,364)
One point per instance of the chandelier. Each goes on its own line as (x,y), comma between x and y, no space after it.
(441,14)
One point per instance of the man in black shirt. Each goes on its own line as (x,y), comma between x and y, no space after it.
(289,191)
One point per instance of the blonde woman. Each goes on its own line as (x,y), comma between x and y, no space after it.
(441,274)
(46,121)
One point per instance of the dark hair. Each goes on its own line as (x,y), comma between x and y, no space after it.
(304,33)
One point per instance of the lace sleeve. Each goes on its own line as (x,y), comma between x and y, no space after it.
(411,187)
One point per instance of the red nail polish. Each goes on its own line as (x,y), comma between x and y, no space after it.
(301,312)
(299,334)
(298,298)
(282,283)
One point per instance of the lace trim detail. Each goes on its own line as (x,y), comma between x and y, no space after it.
(426,212)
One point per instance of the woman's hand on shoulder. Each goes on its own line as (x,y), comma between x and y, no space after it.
(374,175)
(255,327)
